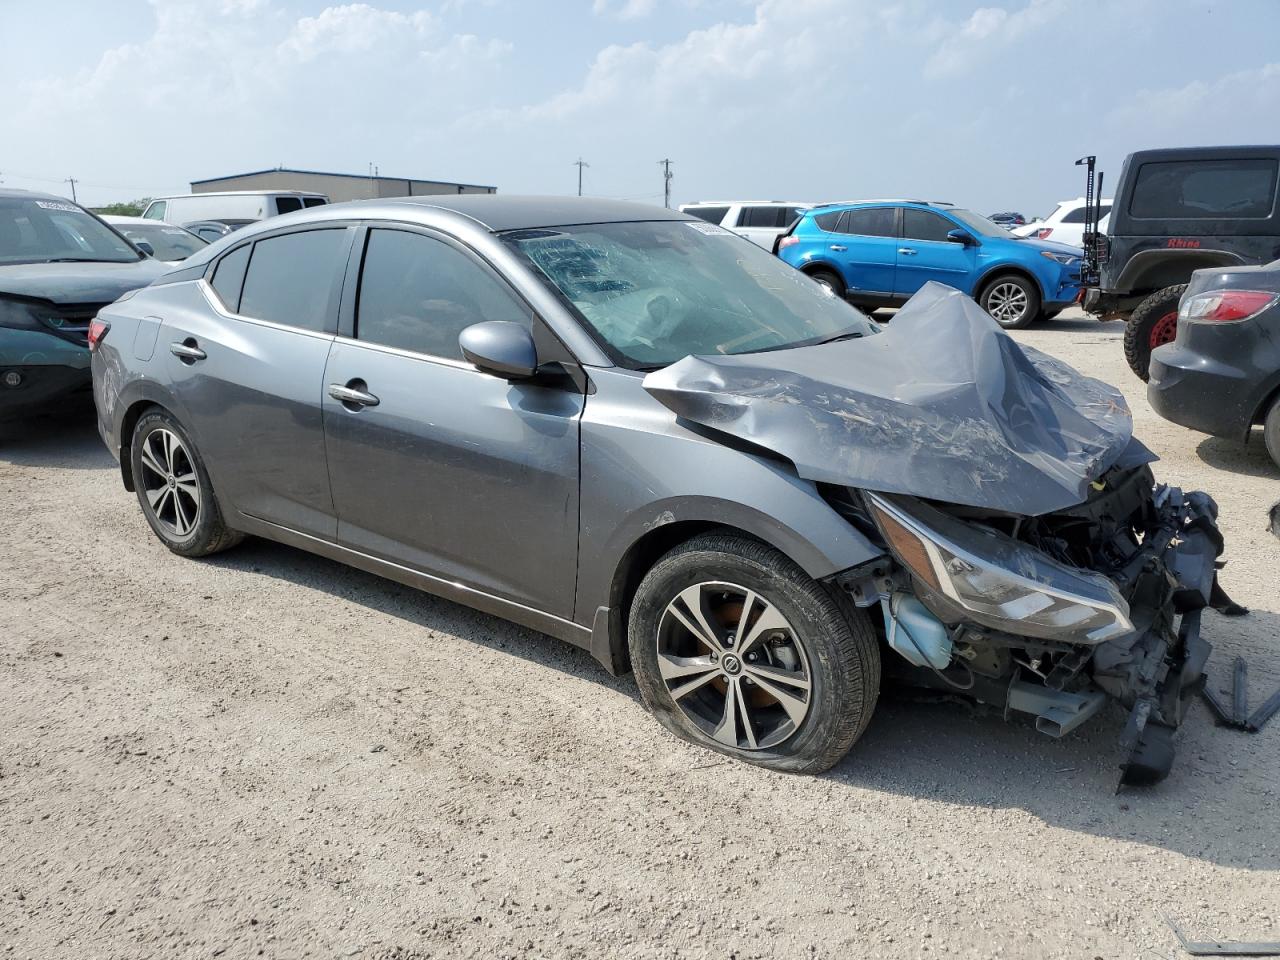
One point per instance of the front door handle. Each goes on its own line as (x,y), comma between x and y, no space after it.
(906,251)
(839,247)
(353,395)
(186,350)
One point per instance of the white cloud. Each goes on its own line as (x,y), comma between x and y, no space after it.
(624,9)
(1205,110)
(988,32)
(353,28)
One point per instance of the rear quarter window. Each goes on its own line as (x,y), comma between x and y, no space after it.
(1242,188)
(290,278)
(228,277)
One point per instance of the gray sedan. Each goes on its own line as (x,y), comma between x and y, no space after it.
(633,430)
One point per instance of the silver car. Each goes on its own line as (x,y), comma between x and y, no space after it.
(635,431)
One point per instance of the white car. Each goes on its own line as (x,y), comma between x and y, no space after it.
(760,221)
(231,205)
(1066,223)
(162,241)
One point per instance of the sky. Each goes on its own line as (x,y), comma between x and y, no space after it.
(985,105)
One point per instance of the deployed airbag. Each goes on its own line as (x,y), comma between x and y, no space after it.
(943,404)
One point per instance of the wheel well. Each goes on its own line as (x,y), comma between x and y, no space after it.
(639,560)
(1153,270)
(127,423)
(1260,415)
(1005,270)
(821,267)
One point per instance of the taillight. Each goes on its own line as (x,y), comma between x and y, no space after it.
(787,241)
(97,330)
(1226,306)
(1043,233)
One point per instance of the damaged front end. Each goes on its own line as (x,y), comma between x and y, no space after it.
(1052,615)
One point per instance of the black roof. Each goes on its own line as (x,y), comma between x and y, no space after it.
(28,194)
(329,173)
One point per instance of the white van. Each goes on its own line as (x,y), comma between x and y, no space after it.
(231,205)
(760,221)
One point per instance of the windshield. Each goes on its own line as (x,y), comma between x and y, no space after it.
(40,230)
(979,224)
(168,242)
(655,292)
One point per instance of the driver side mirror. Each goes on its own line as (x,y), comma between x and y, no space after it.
(961,236)
(145,247)
(500,347)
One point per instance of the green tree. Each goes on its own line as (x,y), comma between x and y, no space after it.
(133,208)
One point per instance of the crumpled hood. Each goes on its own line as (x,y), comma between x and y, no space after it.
(78,282)
(943,404)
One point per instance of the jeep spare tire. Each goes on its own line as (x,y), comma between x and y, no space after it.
(1152,325)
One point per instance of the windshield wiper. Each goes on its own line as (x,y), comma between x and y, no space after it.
(84,260)
(837,337)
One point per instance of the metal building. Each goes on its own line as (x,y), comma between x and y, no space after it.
(336,186)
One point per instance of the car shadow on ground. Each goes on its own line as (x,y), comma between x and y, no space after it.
(68,439)
(1250,459)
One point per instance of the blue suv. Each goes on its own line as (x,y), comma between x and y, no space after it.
(878,253)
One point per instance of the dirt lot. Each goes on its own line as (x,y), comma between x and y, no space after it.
(270,754)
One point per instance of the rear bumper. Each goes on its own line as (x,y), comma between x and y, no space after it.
(1199,392)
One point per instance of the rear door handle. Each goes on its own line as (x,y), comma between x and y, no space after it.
(839,247)
(352,395)
(186,350)
(906,251)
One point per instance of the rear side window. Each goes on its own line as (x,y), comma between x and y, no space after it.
(763,217)
(290,277)
(924,225)
(1240,189)
(828,221)
(313,201)
(418,294)
(288,204)
(228,277)
(156,210)
(874,222)
(1077,215)
(709,214)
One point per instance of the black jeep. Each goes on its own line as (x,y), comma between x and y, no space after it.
(1175,211)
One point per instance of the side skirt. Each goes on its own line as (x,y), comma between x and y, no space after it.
(539,620)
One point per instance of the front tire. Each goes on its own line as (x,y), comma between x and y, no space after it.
(1012,301)
(1153,324)
(173,489)
(829,279)
(1271,431)
(735,648)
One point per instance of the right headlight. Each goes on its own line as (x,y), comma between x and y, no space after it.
(997,581)
(19,315)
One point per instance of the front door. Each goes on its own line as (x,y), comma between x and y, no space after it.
(435,465)
(250,373)
(925,253)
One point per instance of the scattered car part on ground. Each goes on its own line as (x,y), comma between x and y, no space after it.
(1176,211)
(59,265)
(1238,716)
(1221,948)
(638,434)
(879,253)
(162,241)
(1221,373)
(1066,223)
(251,205)
(760,221)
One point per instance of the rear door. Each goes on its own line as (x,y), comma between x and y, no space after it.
(925,253)
(444,469)
(866,249)
(249,370)
(761,223)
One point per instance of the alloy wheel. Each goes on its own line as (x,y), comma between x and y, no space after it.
(1007,302)
(734,666)
(170,482)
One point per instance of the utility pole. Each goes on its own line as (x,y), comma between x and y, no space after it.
(580,163)
(72,181)
(666,182)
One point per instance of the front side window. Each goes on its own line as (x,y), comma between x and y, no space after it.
(47,230)
(872,222)
(925,225)
(763,217)
(291,276)
(1243,188)
(313,201)
(418,293)
(288,204)
(156,210)
(654,292)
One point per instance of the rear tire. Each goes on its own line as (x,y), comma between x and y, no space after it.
(173,488)
(829,279)
(824,665)
(1153,324)
(1271,431)
(1011,300)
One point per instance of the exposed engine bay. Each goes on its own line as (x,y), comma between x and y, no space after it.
(1055,614)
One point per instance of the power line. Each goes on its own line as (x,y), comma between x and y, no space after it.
(580,164)
(666,182)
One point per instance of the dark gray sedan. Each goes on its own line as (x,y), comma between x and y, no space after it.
(640,433)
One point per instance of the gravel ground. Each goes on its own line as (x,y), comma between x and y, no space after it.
(270,754)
